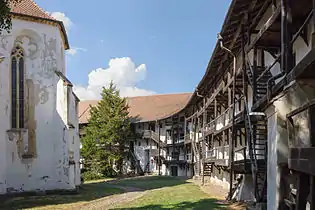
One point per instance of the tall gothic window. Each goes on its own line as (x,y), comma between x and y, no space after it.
(17,88)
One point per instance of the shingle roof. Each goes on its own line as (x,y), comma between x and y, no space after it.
(144,108)
(30,8)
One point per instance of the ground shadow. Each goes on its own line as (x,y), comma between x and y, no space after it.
(88,192)
(149,182)
(91,191)
(205,204)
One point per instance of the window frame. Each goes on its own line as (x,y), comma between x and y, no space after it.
(16,100)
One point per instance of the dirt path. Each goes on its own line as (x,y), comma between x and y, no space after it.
(131,193)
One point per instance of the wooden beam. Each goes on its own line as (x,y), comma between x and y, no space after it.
(303,189)
(265,28)
(302,160)
(312,192)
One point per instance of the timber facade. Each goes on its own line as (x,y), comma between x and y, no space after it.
(251,115)
(249,125)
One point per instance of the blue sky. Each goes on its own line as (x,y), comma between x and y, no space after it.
(169,42)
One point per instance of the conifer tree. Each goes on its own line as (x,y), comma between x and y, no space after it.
(5,18)
(106,134)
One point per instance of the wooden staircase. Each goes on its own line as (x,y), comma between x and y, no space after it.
(136,163)
(256,131)
(261,83)
(197,165)
(207,169)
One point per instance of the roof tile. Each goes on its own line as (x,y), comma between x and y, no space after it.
(30,8)
(144,108)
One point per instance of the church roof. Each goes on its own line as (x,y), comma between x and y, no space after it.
(144,108)
(29,10)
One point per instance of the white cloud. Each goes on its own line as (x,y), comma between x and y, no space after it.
(62,17)
(75,50)
(122,71)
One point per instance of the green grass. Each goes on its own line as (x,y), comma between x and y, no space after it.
(150,182)
(90,191)
(177,194)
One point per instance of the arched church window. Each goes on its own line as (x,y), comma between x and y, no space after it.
(17,88)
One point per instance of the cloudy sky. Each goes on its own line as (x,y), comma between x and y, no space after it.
(145,47)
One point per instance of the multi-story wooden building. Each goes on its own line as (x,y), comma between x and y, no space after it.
(251,117)
(252,113)
(157,145)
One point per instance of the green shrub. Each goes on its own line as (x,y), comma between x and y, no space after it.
(90,175)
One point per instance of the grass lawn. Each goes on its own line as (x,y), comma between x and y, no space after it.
(150,182)
(170,193)
(90,191)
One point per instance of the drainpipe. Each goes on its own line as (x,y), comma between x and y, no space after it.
(220,39)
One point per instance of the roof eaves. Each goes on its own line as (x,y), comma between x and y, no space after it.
(59,24)
(64,78)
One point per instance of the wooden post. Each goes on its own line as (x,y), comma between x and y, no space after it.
(204,118)
(302,190)
(313,34)
(286,36)
(254,78)
(312,141)
(159,148)
(245,81)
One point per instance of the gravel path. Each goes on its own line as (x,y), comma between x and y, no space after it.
(131,193)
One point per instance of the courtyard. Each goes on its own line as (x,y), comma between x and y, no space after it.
(150,192)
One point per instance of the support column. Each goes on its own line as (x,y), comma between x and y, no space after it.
(254,76)
(286,36)
(312,139)
(286,65)
(159,147)
(204,119)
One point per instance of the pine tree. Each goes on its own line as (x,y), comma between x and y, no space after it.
(106,134)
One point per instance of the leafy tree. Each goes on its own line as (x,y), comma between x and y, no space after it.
(106,134)
(5,18)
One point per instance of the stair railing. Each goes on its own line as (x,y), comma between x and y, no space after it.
(136,161)
(250,69)
(250,138)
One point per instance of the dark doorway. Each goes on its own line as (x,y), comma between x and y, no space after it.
(131,144)
(174,171)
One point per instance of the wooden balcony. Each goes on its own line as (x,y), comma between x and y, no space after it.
(178,159)
(218,155)
(188,139)
(148,134)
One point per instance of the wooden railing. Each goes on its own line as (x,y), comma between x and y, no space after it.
(152,135)
(188,138)
(221,121)
(218,153)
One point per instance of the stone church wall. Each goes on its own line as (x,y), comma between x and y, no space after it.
(37,156)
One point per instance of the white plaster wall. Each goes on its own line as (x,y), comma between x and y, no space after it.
(74,140)
(272,159)
(224,183)
(299,47)
(48,169)
(245,190)
(278,140)
(181,171)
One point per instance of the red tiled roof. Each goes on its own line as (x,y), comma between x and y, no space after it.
(144,108)
(30,8)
